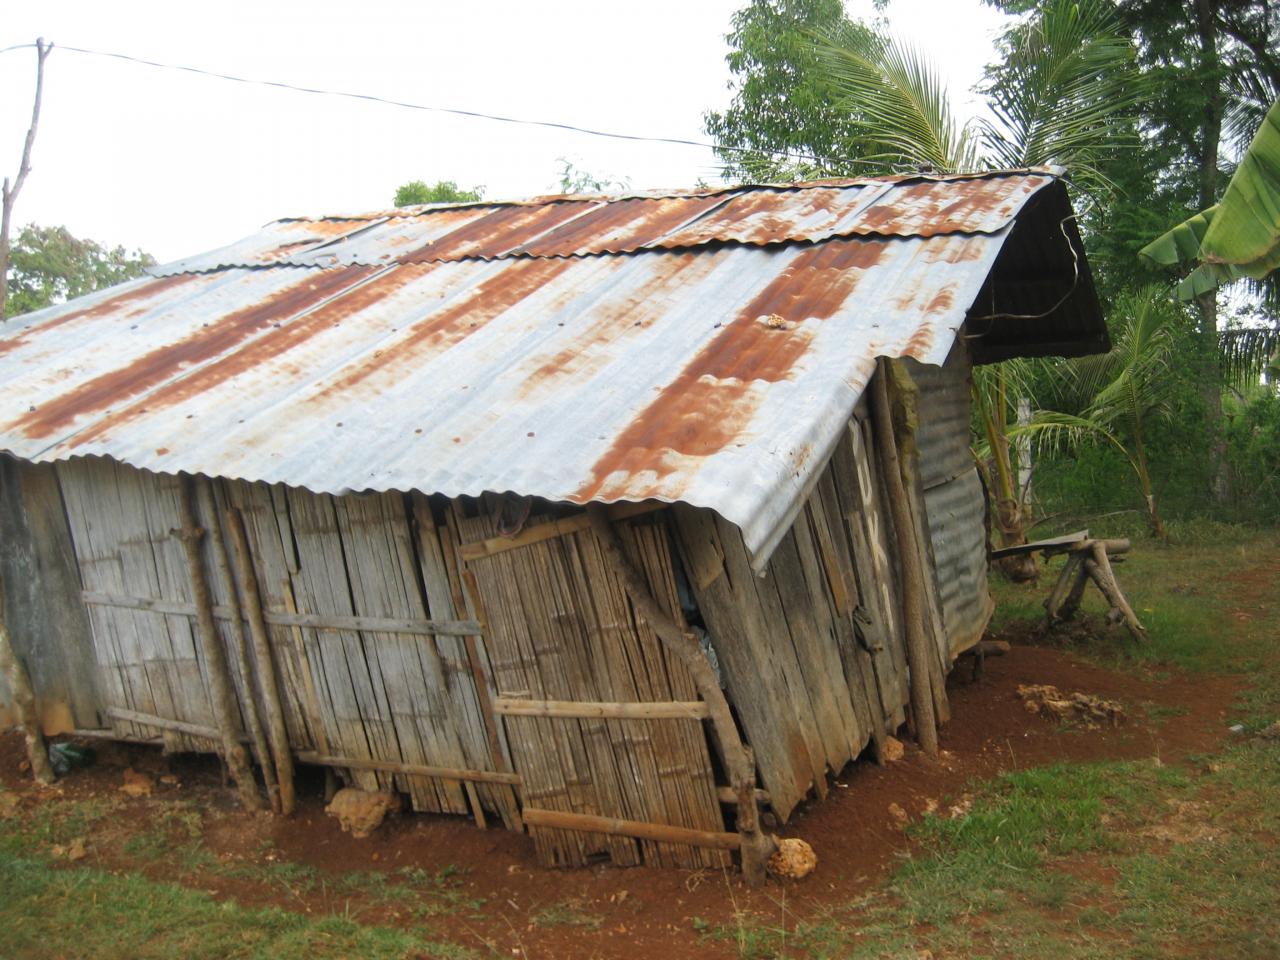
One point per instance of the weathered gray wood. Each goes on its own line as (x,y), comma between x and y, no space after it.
(411,625)
(164,723)
(266,670)
(919,655)
(385,580)
(889,659)
(756,847)
(271,572)
(221,691)
(743,640)
(239,643)
(412,769)
(40,581)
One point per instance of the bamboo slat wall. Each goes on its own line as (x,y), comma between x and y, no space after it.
(812,651)
(417,648)
(561,629)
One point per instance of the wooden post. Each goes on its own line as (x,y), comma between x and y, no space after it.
(221,692)
(918,658)
(24,702)
(266,668)
(756,846)
(257,739)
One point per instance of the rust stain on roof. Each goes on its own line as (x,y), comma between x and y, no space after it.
(760,216)
(158,365)
(620,226)
(713,400)
(609,323)
(438,331)
(270,346)
(937,207)
(495,233)
(144,292)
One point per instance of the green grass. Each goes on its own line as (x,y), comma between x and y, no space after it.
(567,913)
(1099,860)
(87,913)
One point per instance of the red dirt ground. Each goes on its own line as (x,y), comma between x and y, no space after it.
(650,912)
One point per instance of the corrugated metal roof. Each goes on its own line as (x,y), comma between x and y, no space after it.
(589,225)
(715,364)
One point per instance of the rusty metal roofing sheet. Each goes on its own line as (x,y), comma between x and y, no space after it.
(585,226)
(718,374)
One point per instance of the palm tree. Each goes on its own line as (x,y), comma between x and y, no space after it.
(1064,93)
(1121,393)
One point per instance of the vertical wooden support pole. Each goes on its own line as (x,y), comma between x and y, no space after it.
(918,656)
(221,692)
(266,668)
(258,739)
(24,701)
(739,764)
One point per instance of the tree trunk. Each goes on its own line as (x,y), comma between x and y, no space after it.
(1209,372)
(24,703)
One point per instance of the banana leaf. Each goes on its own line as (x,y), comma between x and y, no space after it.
(1240,235)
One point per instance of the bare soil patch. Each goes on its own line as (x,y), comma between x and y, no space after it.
(644,911)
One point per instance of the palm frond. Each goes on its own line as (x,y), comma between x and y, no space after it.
(897,101)
(1065,92)
(1052,430)
(1247,352)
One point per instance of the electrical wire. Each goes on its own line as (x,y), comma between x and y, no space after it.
(407,105)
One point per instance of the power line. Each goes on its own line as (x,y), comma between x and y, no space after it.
(371,98)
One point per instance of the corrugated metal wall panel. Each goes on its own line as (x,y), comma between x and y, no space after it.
(953,498)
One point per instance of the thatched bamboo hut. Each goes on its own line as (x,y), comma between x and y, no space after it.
(587,516)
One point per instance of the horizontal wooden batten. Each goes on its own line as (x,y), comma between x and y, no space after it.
(411,769)
(448,628)
(579,709)
(661,832)
(163,723)
(556,528)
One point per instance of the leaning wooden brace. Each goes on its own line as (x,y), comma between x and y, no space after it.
(221,693)
(756,846)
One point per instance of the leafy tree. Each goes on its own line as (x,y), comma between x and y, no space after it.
(417,192)
(49,265)
(1063,93)
(573,179)
(783,122)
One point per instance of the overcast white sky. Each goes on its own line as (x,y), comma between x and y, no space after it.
(177,164)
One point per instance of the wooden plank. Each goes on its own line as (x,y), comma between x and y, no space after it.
(806,624)
(406,673)
(470,690)
(361,725)
(40,579)
(456,774)
(674,709)
(537,533)
(561,629)
(743,640)
(283,618)
(164,723)
(630,828)
(303,719)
